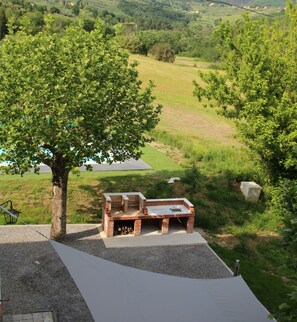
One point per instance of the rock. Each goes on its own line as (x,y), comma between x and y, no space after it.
(250,190)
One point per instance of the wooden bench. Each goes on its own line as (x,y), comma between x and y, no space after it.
(9,213)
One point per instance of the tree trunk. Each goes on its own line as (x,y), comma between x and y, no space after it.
(59,205)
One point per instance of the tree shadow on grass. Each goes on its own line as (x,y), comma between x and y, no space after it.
(218,200)
(90,210)
(136,182)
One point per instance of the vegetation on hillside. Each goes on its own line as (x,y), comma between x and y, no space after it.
(259,91)
(186,27)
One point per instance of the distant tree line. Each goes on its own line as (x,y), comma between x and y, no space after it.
(155,14)
(146,25)
(194,41)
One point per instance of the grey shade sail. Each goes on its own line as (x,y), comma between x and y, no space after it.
(118,293)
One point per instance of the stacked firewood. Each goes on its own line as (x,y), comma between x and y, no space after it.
(124,230)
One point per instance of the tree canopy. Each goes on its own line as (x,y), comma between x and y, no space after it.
(259,88)
(66,98)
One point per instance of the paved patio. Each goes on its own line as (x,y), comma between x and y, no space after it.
(151,236)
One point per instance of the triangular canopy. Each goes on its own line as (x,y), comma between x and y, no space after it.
(118,293)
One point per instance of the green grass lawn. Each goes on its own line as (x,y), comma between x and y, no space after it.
(266,269)
(198,131)
(32,193)
(182,113)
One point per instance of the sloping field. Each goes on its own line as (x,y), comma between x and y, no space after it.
(182,113)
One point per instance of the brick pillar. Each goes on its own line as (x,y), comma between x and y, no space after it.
(165,226)
(109,227)
(142,205)
(137,227)
(108,207)
(103,219)
(125,204)
(190,225)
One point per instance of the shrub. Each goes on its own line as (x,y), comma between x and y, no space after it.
(284,204)
(54,9)
(288,311)
(192,179)
(162,52)
(160,190)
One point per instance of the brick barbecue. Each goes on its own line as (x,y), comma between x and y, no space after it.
(133,206)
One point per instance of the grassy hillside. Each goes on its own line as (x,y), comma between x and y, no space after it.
(213,13)
(84,191)
(161,14)
(199,132)
(182,113)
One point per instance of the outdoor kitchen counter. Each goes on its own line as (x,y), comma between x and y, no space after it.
(152,212)
(163,212)
(168,210)
(134,206)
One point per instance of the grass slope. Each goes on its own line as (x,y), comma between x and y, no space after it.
(182,113)
(32,193)
(198,131)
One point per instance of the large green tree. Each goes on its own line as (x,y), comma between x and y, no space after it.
(68,97)
(259,88)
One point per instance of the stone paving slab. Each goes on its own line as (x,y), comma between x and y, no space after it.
(47,316)
(152,237)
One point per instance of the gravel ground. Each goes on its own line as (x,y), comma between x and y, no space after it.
(35,279)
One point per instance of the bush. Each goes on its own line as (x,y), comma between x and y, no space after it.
(215,66)
(288,311)
(192,179)
(54,9)
(162,52)
(160,190)
(284,204)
